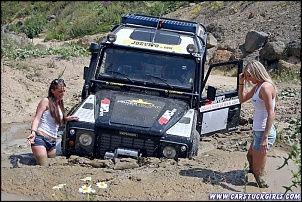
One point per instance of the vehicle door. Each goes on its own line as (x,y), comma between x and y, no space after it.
(221,113)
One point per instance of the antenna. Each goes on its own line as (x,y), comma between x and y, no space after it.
(159,23)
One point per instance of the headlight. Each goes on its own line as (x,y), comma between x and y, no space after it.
(85,139)
(191,48)
(111,37)
(169,152)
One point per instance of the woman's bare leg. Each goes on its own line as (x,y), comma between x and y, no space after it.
(40,155)
(249,157)
(259,161)
(52,153)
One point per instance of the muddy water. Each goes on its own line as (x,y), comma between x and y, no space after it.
(276,178)
(13,144)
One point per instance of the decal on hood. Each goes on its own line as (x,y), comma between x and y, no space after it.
(105,103)
(164,119)
(175,48)
(144,111)
(138,103)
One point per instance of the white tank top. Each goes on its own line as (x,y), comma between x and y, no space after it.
(260,113)
(47,124)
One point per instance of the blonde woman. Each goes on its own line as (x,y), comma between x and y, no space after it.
(50,114)
(264,96)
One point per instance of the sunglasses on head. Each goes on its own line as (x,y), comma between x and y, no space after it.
(57,81)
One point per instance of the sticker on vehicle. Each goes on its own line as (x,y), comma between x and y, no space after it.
(164,119)
(138,103)
(152,45)
(105,103)
(219,105)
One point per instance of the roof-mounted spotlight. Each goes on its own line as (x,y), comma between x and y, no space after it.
(191,48)
(111,37)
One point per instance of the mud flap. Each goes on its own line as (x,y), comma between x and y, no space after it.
(195,145)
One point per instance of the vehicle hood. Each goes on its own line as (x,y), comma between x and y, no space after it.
(131,109)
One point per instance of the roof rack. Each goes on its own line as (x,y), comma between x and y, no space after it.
(165,23)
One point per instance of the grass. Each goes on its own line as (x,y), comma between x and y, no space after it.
(287,76)
(291,135)
(70,20)
(14,51)
(295,156)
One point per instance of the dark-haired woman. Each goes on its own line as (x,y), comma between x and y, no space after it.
(50,114)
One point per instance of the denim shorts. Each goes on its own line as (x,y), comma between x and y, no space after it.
(258,137)
(41,140)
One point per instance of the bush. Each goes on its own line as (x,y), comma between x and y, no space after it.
(77,18)
(33,26)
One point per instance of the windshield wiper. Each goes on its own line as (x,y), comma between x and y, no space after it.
(120,73)
(157,77)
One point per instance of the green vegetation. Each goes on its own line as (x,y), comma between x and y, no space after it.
(289,92)
(292,134)
(12,50)
(287,76)
(69,20)
(61,20)
(295,156)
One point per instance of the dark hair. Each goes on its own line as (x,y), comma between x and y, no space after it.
(54,112)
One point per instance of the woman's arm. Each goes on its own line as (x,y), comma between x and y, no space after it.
(42,106)
(267,93)
(244,96)
(71,118)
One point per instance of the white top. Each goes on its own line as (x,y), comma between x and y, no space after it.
(260,113)
(47,124)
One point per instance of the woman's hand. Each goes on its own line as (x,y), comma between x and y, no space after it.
(263,145)
(72,118)
(241,78)
(31,139)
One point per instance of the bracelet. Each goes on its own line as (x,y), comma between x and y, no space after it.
(241,84)
(32,131)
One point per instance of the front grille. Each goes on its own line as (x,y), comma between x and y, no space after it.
(109,142)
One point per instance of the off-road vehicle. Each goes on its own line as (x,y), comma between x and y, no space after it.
(146,94)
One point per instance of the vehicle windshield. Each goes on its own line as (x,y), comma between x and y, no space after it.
(148,68)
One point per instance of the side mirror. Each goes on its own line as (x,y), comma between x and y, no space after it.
(211,92)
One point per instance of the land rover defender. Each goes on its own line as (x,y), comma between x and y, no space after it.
(146,93)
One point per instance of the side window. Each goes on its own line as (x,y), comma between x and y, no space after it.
(223,78)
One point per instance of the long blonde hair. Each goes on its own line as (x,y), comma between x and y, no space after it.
(258,71)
